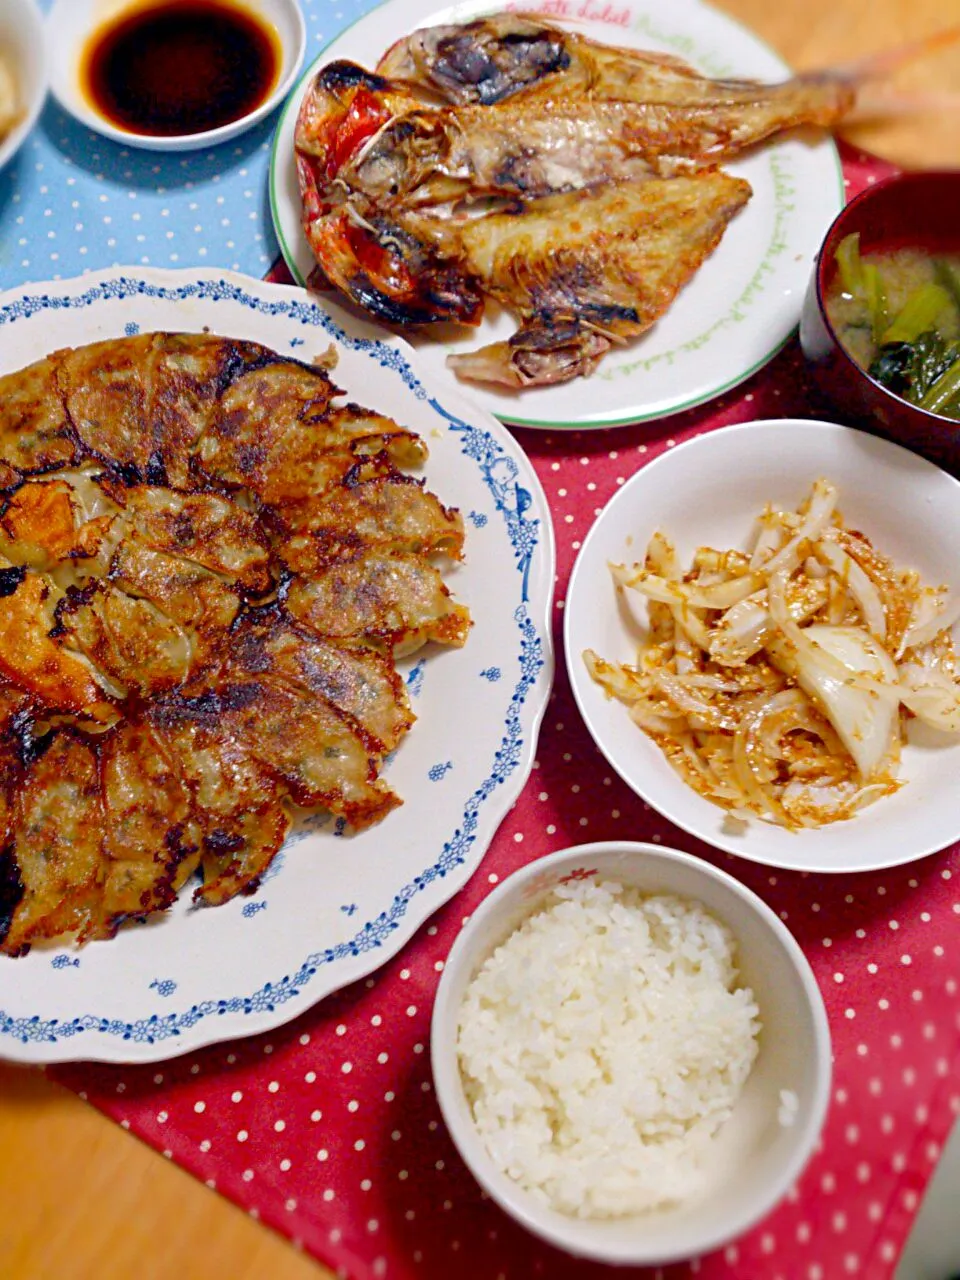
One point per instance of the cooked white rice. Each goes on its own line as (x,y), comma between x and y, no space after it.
(603,1045)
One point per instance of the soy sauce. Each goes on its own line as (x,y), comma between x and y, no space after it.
(180,66)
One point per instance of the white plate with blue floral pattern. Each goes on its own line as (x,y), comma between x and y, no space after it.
(320,919)
(743,303)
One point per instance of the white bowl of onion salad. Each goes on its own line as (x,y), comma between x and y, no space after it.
(759,634)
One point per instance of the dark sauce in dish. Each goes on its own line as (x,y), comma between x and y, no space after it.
(180,66)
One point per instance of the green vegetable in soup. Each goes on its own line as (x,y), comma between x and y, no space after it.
(898,315)
(925,372)
(892,367)
(944,396)
(875,296)
(919,313)
(848,264)
(862,282)
(948,277)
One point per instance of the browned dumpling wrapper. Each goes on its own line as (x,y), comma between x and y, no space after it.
(209,561)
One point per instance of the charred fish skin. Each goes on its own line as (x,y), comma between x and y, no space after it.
(378,264)
(367,253)
(160,708)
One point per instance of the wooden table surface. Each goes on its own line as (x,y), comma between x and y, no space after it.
(81,1199)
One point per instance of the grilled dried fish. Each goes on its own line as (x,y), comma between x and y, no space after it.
(494,58)
(172,502)
(463,133)
(536,148)
(590,269)
(486,60)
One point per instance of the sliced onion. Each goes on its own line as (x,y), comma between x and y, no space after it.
(897,588)
(838,603)
(690,622)
(858,584)
(660,623)
(770,538)
(798,713)
(714,698)
(799,639)
(715,683)
(933,611)
(686,652)
(649,716)
(830,803)
(823,503)
(686,700)
(701,769)
(740,633)
(933,697)
(685,758)
(617,680)
(662,557)
(718,566)
(753,767)
(689,594)
(865,719)
(743,630)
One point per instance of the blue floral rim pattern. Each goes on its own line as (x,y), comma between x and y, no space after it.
(513,504)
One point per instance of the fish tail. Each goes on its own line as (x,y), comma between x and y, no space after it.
(886,102)
(878,66)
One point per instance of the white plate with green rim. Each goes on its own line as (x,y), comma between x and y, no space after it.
(743,303)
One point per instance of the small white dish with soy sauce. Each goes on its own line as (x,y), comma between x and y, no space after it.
(173,75)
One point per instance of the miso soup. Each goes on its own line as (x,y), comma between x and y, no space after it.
(898,316)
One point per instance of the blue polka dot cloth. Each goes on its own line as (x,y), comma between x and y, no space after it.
(73,201)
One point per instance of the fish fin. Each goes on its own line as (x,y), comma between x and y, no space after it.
(543,353)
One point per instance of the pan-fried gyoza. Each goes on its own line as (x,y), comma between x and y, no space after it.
(208,565)
(574,183)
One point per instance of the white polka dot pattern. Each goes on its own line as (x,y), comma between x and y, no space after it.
(330,1131)
(74,202)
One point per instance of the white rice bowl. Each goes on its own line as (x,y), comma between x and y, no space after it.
(603,1045)
(753,1157)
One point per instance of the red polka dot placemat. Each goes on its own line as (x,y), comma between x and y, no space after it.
(328,1130)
